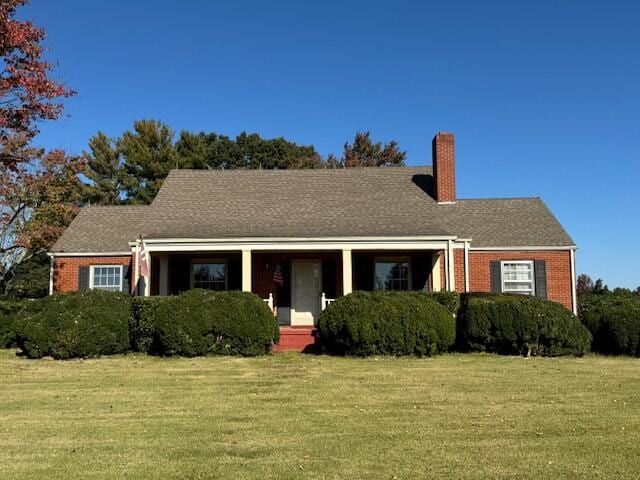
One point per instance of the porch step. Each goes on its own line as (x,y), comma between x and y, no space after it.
(296,339)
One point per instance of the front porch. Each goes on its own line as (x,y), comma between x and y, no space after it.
(300,281)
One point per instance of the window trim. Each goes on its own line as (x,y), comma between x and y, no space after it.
(92,274)
(531,293)
(400,259)
(223,261)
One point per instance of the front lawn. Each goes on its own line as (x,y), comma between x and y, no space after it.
(304,416)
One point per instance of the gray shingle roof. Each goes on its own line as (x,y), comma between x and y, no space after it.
(311,203)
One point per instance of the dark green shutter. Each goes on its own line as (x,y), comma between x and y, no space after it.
(540,272)
(496,276)
(126,279)
(83,278)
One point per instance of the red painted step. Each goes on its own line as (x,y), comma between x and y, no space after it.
(296,339)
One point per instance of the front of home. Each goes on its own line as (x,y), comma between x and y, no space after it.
(301,238)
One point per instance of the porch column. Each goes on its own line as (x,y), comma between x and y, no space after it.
(451,274)
(436,279)
(246,270)
(147,279)
(347,274)
(163,277)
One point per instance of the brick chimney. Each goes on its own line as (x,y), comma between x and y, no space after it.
(444,168)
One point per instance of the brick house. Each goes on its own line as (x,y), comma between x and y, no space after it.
(301,238)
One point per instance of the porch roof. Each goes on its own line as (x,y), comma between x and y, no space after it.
(376,202)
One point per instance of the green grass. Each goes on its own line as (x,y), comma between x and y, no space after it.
(305,416)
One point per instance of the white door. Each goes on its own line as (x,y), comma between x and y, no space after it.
(306,289)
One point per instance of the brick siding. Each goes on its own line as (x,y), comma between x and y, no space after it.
(65,269)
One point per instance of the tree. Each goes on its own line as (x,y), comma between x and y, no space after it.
(600,287)
(148,156)
(104,170)
(28,96)
(364,153)
(584,284)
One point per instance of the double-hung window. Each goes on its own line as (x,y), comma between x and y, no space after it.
(391,275)
(211,275)
(517,277)
(106,277)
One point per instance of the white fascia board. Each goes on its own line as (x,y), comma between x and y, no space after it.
(524,248)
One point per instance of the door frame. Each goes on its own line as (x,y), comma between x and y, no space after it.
(293,286)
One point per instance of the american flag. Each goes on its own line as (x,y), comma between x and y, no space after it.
(143,268)
(278,279)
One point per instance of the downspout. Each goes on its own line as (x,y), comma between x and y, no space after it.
(466,266)
(574,299)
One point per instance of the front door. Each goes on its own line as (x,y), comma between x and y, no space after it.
(305,295)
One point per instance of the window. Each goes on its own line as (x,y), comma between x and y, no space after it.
(106,277)
(391,275)
(210,275)
(517,277)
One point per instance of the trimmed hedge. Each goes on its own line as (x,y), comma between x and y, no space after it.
(449,300)
(9,311)
(84,324)
(386,323)
(519,324)
(614,321)
(201,322)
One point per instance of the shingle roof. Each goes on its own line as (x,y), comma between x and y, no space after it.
(311,203)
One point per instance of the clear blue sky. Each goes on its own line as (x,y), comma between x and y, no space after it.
(544,97)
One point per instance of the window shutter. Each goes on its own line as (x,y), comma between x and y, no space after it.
(496,276)
(540,272)
(126,279)
(83,278)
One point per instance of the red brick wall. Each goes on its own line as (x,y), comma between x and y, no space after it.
(558,271)
(458,265)
(444,170)
(65,269)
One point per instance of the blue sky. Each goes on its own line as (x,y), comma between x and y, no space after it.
(544,97)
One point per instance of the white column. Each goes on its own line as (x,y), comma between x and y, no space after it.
(436,279)
(246,270)
(347,272)
(451,284)
(51,267)
(466,266)
(163,279)
(147,279)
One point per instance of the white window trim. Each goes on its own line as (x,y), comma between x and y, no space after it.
(207,261)
(521,262)
(395,260)
(92,270)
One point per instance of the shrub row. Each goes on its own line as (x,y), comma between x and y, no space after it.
(518,324)
(201,322)
(386,323)
(614,321)
(96,323)
(9,311)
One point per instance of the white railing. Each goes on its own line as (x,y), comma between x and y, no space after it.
(269,301)
(326,301)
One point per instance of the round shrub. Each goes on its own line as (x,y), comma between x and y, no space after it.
(614,321)
(386,323)
(9,311)
(519,324)
(201,322)
(85,324)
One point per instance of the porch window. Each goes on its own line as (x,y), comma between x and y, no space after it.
(106,277)
(209,275)
(517,277)
(391,275)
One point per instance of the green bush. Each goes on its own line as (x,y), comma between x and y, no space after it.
(9,312)
(614,321)
(386,323)
(142,322)
(519,324)
(72,325)
(201,322)
(449,300)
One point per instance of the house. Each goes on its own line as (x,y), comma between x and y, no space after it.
(301,238)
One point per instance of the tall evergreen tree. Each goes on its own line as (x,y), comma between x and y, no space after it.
(104,169)
(148,156)
(364,153)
